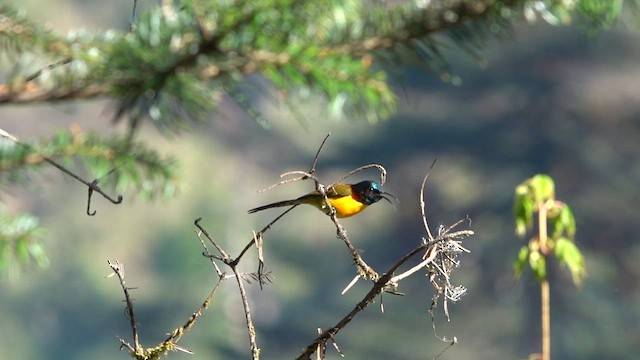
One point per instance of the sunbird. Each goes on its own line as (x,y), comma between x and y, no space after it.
(347,199)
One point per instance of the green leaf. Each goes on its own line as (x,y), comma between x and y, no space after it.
(542,188)
(518,265)
(538,265)
(560,248)
(568,254)
(22,250)
(39,254)
(523,210)
(568,221)
(600,13)
(521,227)
(20,239)
(562,221)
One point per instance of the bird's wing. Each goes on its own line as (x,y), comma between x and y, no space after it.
(339,190)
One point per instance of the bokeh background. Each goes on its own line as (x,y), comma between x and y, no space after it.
(544,99)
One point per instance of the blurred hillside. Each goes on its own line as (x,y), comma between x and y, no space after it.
(548,100)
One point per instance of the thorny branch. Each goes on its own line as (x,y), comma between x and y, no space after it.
(440,258)
(233,264)
(364,270)
(385,283)
(255,351)
(170,343)
(118,270)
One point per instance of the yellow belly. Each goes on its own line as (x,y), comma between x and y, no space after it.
(346,206)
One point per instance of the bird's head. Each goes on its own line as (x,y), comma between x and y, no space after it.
(370,192)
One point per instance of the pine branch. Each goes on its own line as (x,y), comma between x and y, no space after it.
(19,34)
(293,43)
(178,61)
(115,162)
(20,243)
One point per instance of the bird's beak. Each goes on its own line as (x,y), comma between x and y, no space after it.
(390,196)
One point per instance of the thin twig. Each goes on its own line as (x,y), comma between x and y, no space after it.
(48,67)
(93,185)
(255,351)
(422,202)
(364,270)
(315,158)
(177,333)
(169,343)
(118,269)
(410,272)
(260,233)
(233,263)
(305,175)
(350,285)
(383,173)
(223,253)
(132,26)
(453,342)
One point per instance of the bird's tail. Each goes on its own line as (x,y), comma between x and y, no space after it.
(275,204)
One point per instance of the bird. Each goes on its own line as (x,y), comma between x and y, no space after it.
(346,199)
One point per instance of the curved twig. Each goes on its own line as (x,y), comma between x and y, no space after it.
(422,203)
(383,173)
(305,175)
(315,158)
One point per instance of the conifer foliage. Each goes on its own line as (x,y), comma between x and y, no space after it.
(178,60)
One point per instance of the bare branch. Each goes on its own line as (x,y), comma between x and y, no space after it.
(305,175)
(364,270)
(315,158)
(440,255)
(422,203)
(383,173)
(453,342)
(260,233)
(177,333)
(255,351)
(233,263)
(378,287)
(32,93)
(118,269)
(202,230)
(48,67)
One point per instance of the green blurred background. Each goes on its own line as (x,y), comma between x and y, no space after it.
(547,99)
